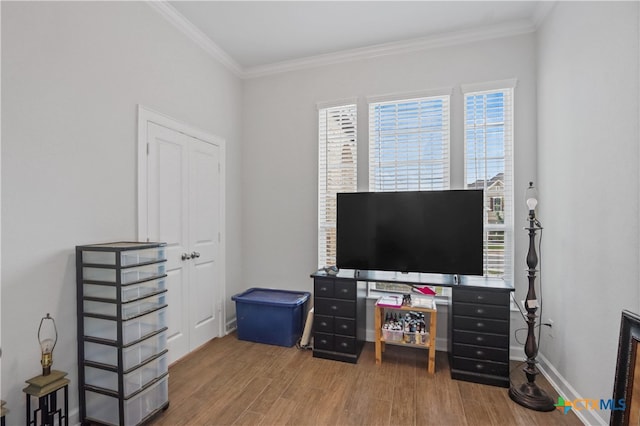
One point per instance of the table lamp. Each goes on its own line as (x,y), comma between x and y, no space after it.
(47,337)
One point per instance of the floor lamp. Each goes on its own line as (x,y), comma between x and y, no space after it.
(529,394)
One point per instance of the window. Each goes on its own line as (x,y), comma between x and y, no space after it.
(337,172)
(488,135)
(496,204)
(409,144)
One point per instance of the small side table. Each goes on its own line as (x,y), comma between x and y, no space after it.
(431,345)
(45,389)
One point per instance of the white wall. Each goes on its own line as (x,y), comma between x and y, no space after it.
(280,154)
(588,172)
(73,74)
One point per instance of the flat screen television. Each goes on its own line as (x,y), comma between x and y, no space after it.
(413,231)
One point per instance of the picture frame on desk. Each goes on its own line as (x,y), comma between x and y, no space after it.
(626,388)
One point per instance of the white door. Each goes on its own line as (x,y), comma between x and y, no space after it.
(204,239)
(183,210)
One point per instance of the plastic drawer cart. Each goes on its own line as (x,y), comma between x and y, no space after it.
(274,317)
(122,332)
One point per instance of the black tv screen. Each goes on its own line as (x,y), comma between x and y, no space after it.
(413,231)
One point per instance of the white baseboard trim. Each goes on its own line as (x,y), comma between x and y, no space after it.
(74,416)
(560,384)
(564,388)
(230,326)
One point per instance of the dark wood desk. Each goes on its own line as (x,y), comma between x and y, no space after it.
(479,320)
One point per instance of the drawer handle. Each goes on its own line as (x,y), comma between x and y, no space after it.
(480,311)
(324,341)
(479,353)
(480,325)
(334,308)
(479,339)
(323,289)
(344,290)
(343,326)
(479,366)
(323,324)
(343,344)
(479,297)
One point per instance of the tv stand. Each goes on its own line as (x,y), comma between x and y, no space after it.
(479,320)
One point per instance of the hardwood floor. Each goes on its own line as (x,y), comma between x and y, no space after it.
(233,382)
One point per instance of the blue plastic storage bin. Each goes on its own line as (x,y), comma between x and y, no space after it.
(274,317)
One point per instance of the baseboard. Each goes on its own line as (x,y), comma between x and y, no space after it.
(516,353)
(564,388)
(230,326)
(560,384)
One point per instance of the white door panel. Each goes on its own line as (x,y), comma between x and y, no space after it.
(204,220)
(178,318)
(167,213)
(183,210)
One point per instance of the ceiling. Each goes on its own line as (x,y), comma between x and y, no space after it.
(259,34)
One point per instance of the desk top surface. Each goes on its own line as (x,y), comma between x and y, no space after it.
(413,278)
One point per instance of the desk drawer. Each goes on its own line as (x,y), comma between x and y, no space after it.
(345,344)
(480,325)
(323,341)
(482,367)
(344,290)
(345,326)
(336,343)
(481,353)
(323,287)
(335,307)
(481,339)
(483,311)
(323,323)
(481,297)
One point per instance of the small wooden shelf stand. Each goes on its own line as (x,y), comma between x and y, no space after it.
(431,345)
(45,389)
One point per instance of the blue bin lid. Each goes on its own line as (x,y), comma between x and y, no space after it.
(266,296)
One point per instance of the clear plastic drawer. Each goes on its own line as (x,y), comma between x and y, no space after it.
(133,381)
(131,356)
(128,275)
(129,310)
(105,409)
(132,330)
(127,258)
(130,292)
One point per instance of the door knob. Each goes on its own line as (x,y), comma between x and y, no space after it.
(186,256)
(195,255)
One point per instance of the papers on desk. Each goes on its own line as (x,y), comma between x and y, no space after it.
(424,289)
(423,302)
(390,301)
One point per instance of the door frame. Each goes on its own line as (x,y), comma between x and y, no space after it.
(145,116)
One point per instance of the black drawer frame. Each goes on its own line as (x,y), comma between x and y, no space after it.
(480,332)
(339,318)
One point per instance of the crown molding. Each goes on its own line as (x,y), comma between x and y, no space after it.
(198,37)
(431,42)
(543,9)
(442,40)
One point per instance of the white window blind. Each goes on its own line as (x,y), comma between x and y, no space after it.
(337,172)
(409,144)
(488,135)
